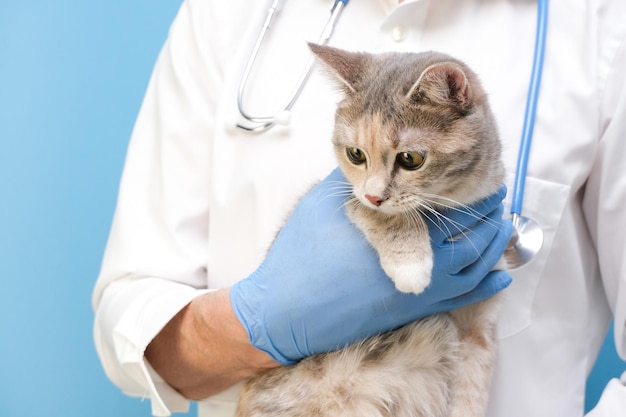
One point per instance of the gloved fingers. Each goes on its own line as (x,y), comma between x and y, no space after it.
(492,253)
(453,220)
(493,283)
(468,246)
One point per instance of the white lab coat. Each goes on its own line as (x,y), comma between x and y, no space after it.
(200,201)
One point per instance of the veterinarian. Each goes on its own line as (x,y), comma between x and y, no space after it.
(188,304)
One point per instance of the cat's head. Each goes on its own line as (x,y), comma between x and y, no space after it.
(412,129)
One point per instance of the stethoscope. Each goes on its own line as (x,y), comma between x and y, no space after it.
(257,124)
(527,236)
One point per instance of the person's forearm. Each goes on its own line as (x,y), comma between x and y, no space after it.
(204,349)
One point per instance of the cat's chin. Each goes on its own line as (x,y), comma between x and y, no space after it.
(389,210)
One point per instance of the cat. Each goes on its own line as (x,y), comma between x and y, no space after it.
(413,133)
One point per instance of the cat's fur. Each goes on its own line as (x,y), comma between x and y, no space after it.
(398,108)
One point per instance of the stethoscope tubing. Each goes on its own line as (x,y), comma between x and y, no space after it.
(259,124)
(531,108)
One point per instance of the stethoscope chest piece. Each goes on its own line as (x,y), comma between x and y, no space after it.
(525,242)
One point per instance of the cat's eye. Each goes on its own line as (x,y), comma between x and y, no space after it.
(356,156)
(410,160)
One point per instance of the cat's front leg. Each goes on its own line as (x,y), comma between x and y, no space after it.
(405,252)
(409,266)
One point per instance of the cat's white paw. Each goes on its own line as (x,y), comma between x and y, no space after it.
(410,277)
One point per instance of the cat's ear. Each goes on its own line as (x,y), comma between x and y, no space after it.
(346,67)
(443,83)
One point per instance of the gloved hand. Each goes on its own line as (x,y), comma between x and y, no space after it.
(321,286)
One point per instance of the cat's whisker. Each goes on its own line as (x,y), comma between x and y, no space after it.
(461,231)
(437,222)
(335,189)
(416,218)
(339,190)
(440,225)
(460,208)
(338,193)
(351,200)
(452,204)
(340,184)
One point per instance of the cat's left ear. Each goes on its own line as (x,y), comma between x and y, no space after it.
(443,83)
(346,67)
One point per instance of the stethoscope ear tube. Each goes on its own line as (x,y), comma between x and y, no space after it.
(258,124)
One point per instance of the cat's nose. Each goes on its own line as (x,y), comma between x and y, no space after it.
(375,200)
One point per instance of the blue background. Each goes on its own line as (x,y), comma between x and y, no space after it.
(72,77)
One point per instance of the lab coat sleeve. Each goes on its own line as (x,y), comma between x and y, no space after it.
(604,205)
(155,260)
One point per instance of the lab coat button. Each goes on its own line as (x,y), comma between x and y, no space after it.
(399,33)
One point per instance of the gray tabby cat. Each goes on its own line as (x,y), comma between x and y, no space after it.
(413,133)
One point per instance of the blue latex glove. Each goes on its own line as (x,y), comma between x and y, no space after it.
(321,286)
